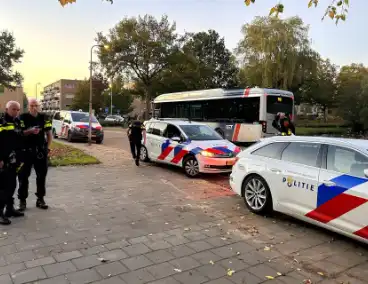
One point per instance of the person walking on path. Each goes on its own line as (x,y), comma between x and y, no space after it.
(135,135)
(36,154)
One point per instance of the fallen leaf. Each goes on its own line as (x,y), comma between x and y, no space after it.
(101,259)
(224,239)
(270,277)
(307,281)
(279,273)
(177,270)
(238,253)
(320,273)
(266,248)
(186,229)
(230,272)
(211,262)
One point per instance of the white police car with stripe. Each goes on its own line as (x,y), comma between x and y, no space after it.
(317,179)
(194,146)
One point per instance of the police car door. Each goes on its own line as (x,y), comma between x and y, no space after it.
(301,166)
(343,191)
(65,125)
(158,145)
(174,139)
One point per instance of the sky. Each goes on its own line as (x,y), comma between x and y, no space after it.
(57,40)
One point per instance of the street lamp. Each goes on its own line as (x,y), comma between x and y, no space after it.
(90,93)
(38,84)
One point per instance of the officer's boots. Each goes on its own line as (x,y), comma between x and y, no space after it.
(3,219)
(10,211)
(40,203)
(22,205)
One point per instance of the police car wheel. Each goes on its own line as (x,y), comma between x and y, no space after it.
(143,154)
(191,166)
(257,195)
(54,133)
(69,138)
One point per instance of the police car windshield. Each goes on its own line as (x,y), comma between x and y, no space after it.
(82,117)
(200,132)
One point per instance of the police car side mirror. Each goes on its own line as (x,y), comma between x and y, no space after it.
(366,173)
(176,139)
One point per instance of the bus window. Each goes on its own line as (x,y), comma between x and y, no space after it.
(196,111)
(168,110)
(277,104)
(182,110)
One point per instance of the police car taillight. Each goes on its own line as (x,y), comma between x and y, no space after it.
(264,126)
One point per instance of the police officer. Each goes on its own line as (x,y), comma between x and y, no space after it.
(36,154)
(283,124)
(135,139)
(11,142)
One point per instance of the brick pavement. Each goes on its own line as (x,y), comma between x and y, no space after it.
(116,223)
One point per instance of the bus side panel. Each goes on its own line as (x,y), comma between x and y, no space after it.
(238,132)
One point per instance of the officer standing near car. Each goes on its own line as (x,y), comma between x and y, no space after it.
(283,124)
(11,145)
(135,139)
(36,154)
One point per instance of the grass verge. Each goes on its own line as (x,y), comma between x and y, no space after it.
(65,155)
(311,131)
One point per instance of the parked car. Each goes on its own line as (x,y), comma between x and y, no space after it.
(74,125)
(195,147)
(114,118)
(320,180)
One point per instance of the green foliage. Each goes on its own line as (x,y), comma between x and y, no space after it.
(142,47)
(215,64)
(352,95)
(122,98)
(81,99)
(337,10)
(320,88)
(276,54)
(9,55)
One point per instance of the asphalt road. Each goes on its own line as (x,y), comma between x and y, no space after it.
(116,137)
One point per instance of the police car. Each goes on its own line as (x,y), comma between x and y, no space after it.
(74,125)
(317,179)
(195,147)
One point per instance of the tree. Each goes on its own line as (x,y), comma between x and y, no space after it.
(122,98)
(216,64)
(143,47)
(352,95)
(337,10)
(320,89)
(9,55)
(81,98)
(276,54)
(25,101)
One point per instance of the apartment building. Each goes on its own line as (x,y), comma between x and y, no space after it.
(59,95)
(11,95)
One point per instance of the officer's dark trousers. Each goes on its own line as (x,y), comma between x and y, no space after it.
(135,148)
(8,184)
(39,161)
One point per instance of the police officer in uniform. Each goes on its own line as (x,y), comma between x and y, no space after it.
(36,154)
(11,142)
(135,139)
(283,124)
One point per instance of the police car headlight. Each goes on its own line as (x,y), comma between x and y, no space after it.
(207,153)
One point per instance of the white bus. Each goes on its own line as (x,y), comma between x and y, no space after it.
(239,115)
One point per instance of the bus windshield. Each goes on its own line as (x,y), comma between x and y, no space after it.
(277,104)
(82,117)
(200,132)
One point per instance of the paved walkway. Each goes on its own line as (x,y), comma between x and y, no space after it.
(116,223)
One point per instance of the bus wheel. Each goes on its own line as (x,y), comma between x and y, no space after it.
(219,131)
(191,166)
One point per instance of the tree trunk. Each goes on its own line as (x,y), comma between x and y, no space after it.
(325,113)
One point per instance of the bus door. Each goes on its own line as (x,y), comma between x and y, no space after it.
(275,104)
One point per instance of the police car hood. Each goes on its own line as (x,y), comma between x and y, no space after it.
(86,124)
(212,144)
